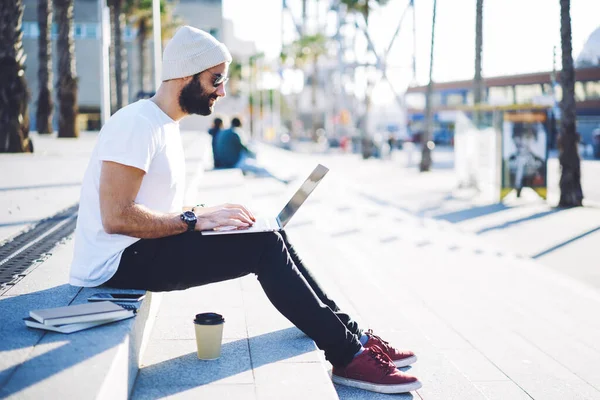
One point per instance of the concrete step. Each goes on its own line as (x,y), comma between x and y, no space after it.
(263,355)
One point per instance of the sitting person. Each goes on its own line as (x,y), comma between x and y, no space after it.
(131,231)
(213,132)
(232,152)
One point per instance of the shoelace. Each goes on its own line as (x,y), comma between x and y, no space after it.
(384,344)
(382,359)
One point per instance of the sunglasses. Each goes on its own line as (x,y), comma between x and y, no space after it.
(219,80)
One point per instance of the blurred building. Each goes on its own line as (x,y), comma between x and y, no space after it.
(203,14)
(590,55)
(542,88)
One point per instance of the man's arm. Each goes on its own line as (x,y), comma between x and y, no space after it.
(119,186)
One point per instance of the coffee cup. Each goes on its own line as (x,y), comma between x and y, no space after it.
(209,334)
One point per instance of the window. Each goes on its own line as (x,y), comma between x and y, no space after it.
(470,98)
(558,90)
(79,31)
(500,95)
(526,93)
(415,100)
(128,34)
(30,30)
(579,92)
(454,99)
(34,29)
(592,90)
(91,31)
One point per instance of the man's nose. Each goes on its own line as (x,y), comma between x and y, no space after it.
(221,90)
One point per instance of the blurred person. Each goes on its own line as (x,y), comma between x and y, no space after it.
(232,152)
(132,233)
(213,131)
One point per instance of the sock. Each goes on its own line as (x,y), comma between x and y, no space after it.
(360,351)
(363,339)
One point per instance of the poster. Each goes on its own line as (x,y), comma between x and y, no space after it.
(524,152)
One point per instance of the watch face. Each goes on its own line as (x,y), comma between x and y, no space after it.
(189,216)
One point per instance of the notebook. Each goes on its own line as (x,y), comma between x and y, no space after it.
(70,328)
(79,313)
(278,223)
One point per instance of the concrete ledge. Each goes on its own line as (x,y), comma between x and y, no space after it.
(100,362)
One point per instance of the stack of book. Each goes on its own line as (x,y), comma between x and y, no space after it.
(75,318)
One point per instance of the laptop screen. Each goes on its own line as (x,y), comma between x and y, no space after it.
(301,194)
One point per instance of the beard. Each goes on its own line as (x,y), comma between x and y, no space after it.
(193,99)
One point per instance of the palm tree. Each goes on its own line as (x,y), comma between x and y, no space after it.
(67,80)
(118,55)
(309,48)
(44,101)
(571,194)
(477,80)
(364,7)
(14,120)
(235,77)
(426,161)
(139,14)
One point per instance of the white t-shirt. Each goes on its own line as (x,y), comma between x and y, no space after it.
(140,135)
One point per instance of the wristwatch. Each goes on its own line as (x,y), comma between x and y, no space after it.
(190,219)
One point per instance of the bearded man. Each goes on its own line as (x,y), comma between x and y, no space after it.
(132,231)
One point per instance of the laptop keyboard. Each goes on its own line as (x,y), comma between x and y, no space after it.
(262,223)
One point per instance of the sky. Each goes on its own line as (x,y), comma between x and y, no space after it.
(518,35)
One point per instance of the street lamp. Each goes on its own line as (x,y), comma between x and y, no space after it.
(104,17)
(157,42)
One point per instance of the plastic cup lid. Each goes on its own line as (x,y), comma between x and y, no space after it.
(209,319)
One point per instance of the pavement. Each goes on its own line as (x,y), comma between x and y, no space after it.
(467,286)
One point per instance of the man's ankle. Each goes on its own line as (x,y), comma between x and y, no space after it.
(363,339)
(359,352)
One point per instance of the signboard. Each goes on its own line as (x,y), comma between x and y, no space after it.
(476,159)
(524,152)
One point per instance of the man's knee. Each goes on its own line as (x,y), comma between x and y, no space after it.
(274,252)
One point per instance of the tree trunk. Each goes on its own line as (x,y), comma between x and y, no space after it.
(44,101)
(14,95)
(367,141)
(314,87)
(117,22)
(426,160)
(304,18)
(142,39)
(478,81)
(571,194)
(67,80)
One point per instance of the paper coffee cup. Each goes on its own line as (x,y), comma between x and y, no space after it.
(209,334)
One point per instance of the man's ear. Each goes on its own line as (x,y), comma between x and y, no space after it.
(185,80)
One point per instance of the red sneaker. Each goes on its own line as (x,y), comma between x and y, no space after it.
(373,370)
(400,358)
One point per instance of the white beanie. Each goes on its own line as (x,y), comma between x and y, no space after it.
(191,51)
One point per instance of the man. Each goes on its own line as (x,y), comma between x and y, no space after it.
(232,152)
(131,232)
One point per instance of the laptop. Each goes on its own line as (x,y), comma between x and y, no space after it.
(278,223)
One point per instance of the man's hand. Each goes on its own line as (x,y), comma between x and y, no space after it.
(234,215)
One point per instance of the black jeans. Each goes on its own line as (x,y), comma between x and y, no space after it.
(191,259)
